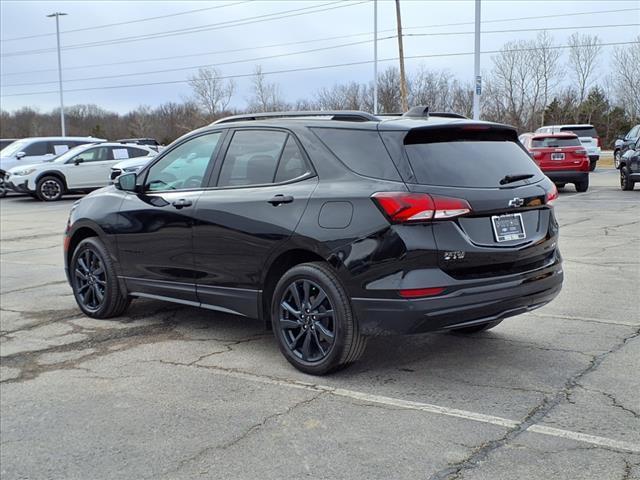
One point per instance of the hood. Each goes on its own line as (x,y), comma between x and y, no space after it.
(133,162)
(23,166)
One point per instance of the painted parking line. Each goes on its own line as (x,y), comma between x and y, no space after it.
(434,409)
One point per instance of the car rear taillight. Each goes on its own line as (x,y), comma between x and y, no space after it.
(401,207)
(420,292)
(552,195)
(537,154)
(581,152)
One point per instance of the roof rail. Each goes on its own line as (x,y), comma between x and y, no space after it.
(343,115)
(446,115)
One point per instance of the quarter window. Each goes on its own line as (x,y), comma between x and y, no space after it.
(183,167)
(252,158)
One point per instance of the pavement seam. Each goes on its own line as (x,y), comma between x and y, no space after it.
(538,413)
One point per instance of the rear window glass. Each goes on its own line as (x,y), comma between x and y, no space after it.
(360,150)
(555,142)
(477,163)
(581,131)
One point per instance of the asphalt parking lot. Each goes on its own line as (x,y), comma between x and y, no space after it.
(175,392)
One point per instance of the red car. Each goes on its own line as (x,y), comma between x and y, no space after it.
(560,156)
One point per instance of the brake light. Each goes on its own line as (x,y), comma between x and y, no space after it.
(420,292)
(401,207)
(537,154)
(552,195)
(581,152)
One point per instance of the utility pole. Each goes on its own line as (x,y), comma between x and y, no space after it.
(403,81)
(58,15)
(375,57)
(476,67)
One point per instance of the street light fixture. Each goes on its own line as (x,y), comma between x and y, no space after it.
(58,15)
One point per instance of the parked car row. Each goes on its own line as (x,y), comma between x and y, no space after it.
(25,163)
(624,144)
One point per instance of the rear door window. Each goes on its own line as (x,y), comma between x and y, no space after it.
(362,151)
(468,162)
(581,131)
(548,142)
(252,158)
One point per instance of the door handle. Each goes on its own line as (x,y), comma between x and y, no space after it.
(183,202)
(278,199)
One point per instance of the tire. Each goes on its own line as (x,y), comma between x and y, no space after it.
(483,327)
(625,182)
(332,341)
(582,186)
(3,189)
(592,166)
(93,276)
(50,189)
(616,158)
(560,185)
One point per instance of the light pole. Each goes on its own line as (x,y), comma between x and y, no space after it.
(375,57)
(477,91)
(58,15)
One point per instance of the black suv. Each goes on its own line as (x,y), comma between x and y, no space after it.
(328,226)
(630,166)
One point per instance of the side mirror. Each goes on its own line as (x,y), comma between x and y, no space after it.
(126,182)
(20,155)
(78,161)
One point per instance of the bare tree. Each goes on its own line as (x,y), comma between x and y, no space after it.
(211,91)
(389,91)
(266,95)
(349,96)
(626,78)
(545,61)
(431,88)
(583,61)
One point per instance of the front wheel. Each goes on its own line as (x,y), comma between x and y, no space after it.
(625,182)
(94,281)
(50,189)
(616,158)
(313,322)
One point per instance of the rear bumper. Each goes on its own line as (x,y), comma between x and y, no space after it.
(567,176)
(478,303)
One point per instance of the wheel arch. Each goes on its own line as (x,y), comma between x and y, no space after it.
(276,268)
(51,173)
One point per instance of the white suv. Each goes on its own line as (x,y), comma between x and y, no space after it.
(588,137)
(82,168)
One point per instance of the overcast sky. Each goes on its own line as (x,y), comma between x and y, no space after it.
(222,41)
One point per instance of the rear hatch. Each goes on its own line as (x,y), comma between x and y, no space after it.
(588,137)
(559,153)
(510,228)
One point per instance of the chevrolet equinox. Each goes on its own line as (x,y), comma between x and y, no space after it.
(328,226)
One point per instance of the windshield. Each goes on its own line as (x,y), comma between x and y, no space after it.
(14,148)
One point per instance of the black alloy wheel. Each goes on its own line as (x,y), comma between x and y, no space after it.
(313,321)
(625,182)
(90,280)
(94,281)
(50,189)
(307,321)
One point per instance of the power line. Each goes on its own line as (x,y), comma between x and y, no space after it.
(104,77)
(316,40)
(167,70)
(201,28)
(146,19)
(304,69)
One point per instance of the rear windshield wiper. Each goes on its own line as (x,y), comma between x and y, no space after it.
(515,178)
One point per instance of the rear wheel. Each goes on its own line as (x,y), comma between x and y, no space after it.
(50,189)
(582,186)
(625,182)
(313,322)
(477,328)
(94,281)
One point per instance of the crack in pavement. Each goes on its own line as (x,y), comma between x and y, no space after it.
(33,287)
(248,432)
(482,452)
(614,401)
